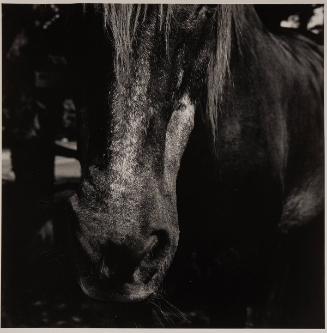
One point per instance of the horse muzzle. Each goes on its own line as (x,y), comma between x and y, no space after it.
(125,293)
(122,259)
(125,273)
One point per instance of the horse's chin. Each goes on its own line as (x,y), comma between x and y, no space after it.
(125,293)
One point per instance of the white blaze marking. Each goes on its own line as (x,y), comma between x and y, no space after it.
(179,129)
(125,147)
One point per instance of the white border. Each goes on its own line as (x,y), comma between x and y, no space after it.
(138,330)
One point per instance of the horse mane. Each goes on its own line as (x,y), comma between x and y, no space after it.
(123,20)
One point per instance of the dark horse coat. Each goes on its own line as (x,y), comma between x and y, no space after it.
(247,108)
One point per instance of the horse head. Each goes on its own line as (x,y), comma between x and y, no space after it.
(127,225)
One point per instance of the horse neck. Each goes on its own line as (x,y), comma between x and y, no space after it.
(249,32)
(250,47)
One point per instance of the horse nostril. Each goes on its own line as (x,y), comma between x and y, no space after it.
(151,244)
(105,272)
(120,261)
(157,243)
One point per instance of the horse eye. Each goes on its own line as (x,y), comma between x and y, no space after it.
(181,107)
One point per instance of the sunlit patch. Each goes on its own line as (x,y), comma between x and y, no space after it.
(316,22)
(292,22)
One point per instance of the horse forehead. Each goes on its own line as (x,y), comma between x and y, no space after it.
(131,94)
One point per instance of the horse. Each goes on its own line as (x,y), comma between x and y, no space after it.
(202,134)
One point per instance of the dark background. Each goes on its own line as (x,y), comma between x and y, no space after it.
(41,103)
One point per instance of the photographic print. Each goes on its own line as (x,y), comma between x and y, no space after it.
(162,166)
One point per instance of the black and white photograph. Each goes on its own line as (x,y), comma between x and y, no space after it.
(163,165)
